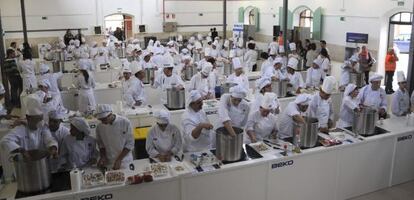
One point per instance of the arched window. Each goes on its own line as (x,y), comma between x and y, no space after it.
(306,18)
(402,18)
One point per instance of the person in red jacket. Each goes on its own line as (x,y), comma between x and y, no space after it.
(390,65)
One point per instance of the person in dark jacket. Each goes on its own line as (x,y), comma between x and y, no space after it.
(13,75)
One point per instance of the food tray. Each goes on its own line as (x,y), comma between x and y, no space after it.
(159,169)
(203,159)
(178,168)
(114,177)
(93,180)
(260,147)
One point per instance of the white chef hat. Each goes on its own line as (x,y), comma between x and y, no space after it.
(199,36)
(349,88)
(269,102)
(281,49)
(303,99)
(273,51)
(146,53)
(238,91)
(193,96)
(184,51)
(354,58)
(278,60)
(167,62)
(83,65)
(77,43)
(216,43)
(318,62)
(33,105)
(262,82)
(329,84)
(237,64)
(180,38)
(48,46)
(170,43)
(81,124)
(226,43)
(57,114)
(135,67)
(292,46)
(162,116)
(206,68)
(126,69)
(293,63)
(207,52)
(198,45)
(43,82)
(401,77)
(62,45)
(375,77)
(103,110)
(101,50)
(135,41)
(85,55)
(209,39)
(240,43)
(44,68)
(2,90)
(151,42)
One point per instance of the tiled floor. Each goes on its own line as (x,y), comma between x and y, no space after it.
(400,192)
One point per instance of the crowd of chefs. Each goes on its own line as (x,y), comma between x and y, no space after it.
(73,146)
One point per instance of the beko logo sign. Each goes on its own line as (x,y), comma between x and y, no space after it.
(99,197)
(403,138)
(282,164)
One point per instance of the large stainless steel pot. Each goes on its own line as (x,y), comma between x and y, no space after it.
(300,64)
(197,56)
(308,132)
(280,88)
(59,56)
(189,72)
(357,78)
(364,122)
(175,98)
(225,87)
(229,148)
(58,66)
(227,69)
(32,174)
(120,52)
(149,72)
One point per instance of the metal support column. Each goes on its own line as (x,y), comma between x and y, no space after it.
(4,78)
(285,22)
(410,70)
(224,19)
(24,21)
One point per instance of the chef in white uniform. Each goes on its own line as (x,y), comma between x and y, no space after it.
(137,96)
(293,51)
(233,109)
(27,72)
(268,63)
(197,129)
(167,79)
(202,82)
(262,123)
(250,57)
(79,148)
(129,85)
(293,114)
(147,62)
(164,139)
(114,137)
(214,51)
(295,78)
(400,105)
(33,135)
(374,96)
(275,73)
(50,101)
(93,51)
(85,83)
(58,132)
(320,106)
(350,104)
(101,59)
(238,77)
(315,74)
(51,77)
(263,85)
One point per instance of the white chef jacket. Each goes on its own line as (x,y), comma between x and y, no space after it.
(128,90)
(321,109)
(27,72)
(272,72)
(286,123)
(250,58)
(375,99)
(239,52)
(101,60)
(215,53)
(314,77)
(345,76)
(326,66)
(58,135)
(237,115)
(114,138)
(86,98)
(400,103)
(89,62)
(257,102)
(164,82)
(135,93)
(262,126)
(53,80)
(78,153)
(224,53)
(346,113)
(161,142)
(203,85)
(296,80)
(93,51)
(23,137)
(239,80)
(148,65)
(266,64)
(190,120)
(311,55)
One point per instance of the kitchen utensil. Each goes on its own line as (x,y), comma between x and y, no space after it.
(189,72)
(357,78)
(280,88)
(227,69)
(229,148)
(175,98)
(308,132)
(225,87)
(364,122)
(149,73)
